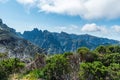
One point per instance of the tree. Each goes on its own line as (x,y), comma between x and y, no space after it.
(3,56)
(83,51)
(92,71)
(107,59)
(113,49)
(56,68)
(117,49)
(67,54)
(101,49)
(86,55)
(7,67)
(114,71)
(91,56)
(3,74)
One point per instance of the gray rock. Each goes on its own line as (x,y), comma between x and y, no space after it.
(16,46)
(0,21)
(63,42)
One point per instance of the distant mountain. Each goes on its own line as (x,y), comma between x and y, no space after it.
(14,45)
(64,42)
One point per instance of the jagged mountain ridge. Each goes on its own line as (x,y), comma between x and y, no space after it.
(14,45)
(64,42)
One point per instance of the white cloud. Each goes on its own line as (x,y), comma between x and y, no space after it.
(88,9)
(116,28)
(93,28)
(111,32)
(102,9)
(90,28)
(69,29)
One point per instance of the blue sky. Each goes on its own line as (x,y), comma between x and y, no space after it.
(96,17)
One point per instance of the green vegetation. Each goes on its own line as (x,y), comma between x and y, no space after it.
(103,63)
(8,66)
(56,68)
(92,71)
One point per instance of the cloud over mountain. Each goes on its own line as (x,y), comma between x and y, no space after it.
(91,28)
(116,28)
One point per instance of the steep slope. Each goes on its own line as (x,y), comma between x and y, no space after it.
(62,42)
(14,45)
(44,39)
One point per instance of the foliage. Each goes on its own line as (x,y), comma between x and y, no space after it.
(8,67)
(106,67)
(107,59)
(67,54)
(3,74)
(56,67)
(3,55)
(98,71)
(33,75)
(101,49)
(103,63)
(113,49)
(92,71)
(83,51)
(114,71)
(86,55)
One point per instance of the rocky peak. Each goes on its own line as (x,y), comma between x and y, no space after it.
(4,27)
(46,31)
(64,34)
(14,45)
(64,42)
(35,30)
(0,21)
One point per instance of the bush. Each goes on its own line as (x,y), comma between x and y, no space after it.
(10,66)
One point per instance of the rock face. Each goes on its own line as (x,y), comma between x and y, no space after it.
(14,45)
(64,42)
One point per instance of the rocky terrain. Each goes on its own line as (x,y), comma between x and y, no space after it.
(15,46)
(64,42)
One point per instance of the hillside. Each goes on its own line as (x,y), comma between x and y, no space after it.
(64,42)
(102,63)
(14,45)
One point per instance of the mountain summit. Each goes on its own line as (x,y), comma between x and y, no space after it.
(64,42)
(14,45)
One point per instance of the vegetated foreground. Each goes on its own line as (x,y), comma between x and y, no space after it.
(103,63)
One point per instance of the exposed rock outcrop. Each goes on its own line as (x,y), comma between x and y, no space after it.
(63,42)
(16,46)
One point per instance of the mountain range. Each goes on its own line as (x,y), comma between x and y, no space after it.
(15,46)
(62,42)
(37,41)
